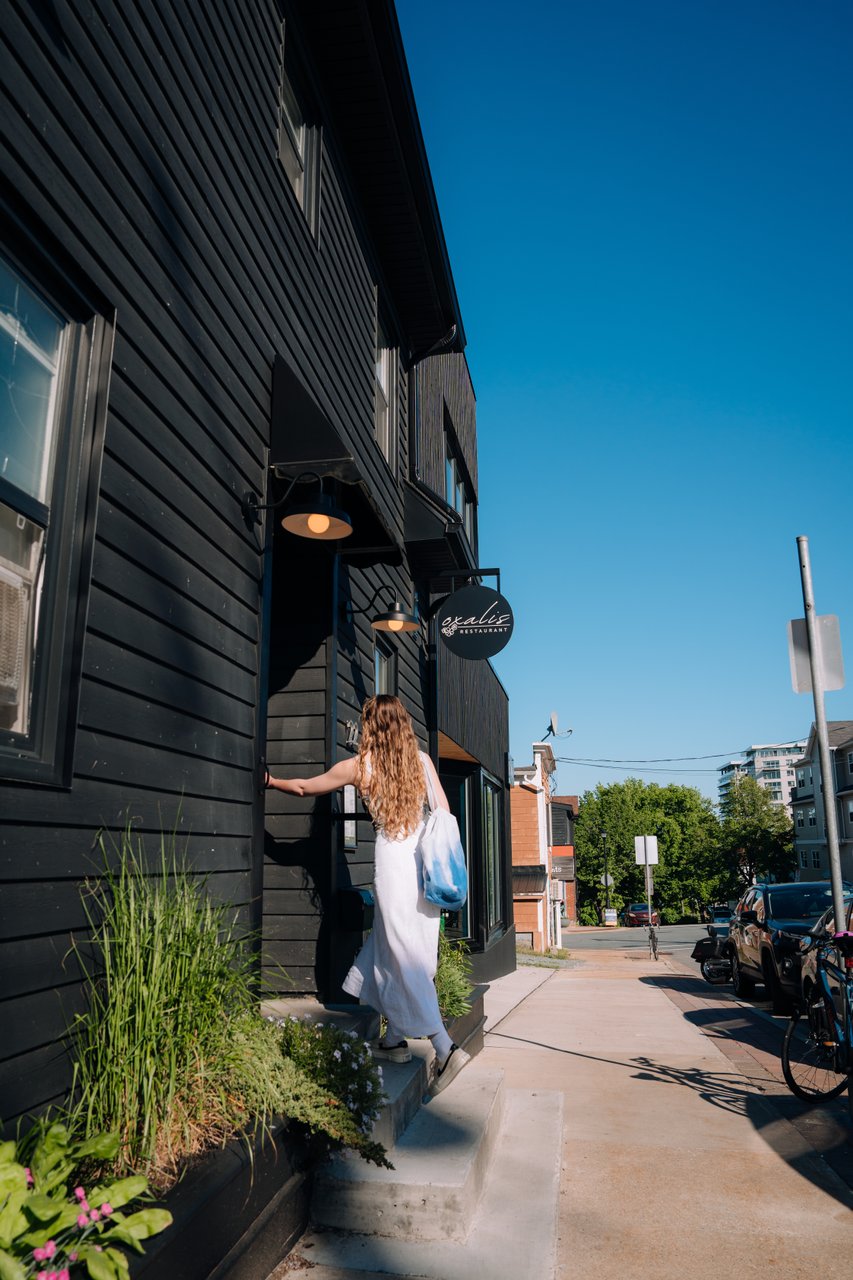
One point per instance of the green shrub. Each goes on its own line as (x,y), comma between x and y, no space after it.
(334,1084)
(452,978)
(588,915)
(47,1229)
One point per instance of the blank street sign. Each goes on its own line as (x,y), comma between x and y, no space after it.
(830,658)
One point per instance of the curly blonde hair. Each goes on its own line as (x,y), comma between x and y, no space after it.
(392,780)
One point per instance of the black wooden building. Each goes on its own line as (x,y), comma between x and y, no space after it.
(222,268)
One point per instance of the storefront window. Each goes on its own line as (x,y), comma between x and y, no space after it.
(493,851)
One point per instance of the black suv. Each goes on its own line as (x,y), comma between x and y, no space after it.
(765,934)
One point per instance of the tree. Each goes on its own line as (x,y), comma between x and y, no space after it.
(756,836)
(689,870)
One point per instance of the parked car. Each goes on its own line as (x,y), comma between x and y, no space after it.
(719,914)
(638,913)
(824,926)
(766,933)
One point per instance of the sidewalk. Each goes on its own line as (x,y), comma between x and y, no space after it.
(683,1155)
(677,1159)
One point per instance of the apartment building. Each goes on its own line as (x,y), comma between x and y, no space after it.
(770,764)
(808,809)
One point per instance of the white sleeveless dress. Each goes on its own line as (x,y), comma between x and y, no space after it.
(394,971)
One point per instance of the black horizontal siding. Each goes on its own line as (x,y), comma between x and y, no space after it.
(142,137)
(473,709)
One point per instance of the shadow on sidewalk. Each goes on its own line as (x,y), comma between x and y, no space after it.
(814,1148)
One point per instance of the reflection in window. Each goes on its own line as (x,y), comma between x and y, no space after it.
(492,851)
(384,667)
(31,350)
(385,397)
(298,142)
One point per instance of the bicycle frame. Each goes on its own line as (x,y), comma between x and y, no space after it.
(828,967)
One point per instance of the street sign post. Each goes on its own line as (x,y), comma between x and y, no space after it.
(646,854)
(819,676)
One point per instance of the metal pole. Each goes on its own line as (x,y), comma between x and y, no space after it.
(648,878)
(606,876)
(830,810)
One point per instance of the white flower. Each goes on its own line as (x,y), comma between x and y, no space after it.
(337,1055)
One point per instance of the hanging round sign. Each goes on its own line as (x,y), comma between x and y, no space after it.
(475,622)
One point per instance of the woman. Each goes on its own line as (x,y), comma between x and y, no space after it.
(394,971)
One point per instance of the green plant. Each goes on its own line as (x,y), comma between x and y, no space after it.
(46,1231)
(588,915)
(335,1086)
(452,978)
(169,1052)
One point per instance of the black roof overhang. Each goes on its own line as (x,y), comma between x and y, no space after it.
(303,439)
(357,50)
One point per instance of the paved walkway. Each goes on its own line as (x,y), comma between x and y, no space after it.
(684,1157)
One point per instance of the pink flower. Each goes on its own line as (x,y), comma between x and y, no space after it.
(40,1255)
(82,1220)
(30,1178)
(80,1193)
(94,1215)
(50,1249)
(106,1208)
(64,1274)
(42,1275)
(72,1257)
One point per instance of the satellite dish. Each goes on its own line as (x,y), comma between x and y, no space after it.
(553,724)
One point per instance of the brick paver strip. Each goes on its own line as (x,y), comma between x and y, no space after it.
(752,1042)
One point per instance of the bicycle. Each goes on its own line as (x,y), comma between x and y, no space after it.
(653,942)
(817,1052)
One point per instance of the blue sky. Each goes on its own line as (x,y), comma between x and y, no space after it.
(648,206)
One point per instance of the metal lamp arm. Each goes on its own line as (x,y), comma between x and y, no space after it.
(251,507)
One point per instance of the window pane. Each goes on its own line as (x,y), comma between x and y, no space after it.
(21,544)
(30,350)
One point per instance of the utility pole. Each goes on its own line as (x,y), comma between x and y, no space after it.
(830,808)
(606,876)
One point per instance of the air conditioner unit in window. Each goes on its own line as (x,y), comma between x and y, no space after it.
(13,635)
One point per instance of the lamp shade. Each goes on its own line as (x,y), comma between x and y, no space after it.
(319,518)
(395,620)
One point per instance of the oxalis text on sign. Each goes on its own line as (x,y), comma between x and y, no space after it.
(475,622)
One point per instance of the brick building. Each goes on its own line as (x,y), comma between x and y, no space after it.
(537,897)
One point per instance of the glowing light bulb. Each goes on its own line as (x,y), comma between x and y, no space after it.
(318,523)
(394,625)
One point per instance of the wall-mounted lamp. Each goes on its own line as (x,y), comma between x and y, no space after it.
(395,620)
(318,518)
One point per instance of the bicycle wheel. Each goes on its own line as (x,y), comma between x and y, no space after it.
(808,1061)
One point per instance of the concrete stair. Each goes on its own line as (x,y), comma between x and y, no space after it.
(473,1195)
(474,1189)
(440,1164)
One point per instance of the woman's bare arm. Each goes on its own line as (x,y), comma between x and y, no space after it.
(341,774)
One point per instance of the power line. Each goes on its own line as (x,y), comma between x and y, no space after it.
(618,767)
(656,760)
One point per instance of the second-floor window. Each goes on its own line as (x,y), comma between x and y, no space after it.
(456,491)
(385,396)
(298,139)
(812,818)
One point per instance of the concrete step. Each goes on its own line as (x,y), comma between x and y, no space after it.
(440,1165)
(405,1085)
(512,1230)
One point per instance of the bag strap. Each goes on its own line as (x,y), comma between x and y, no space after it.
(432,799)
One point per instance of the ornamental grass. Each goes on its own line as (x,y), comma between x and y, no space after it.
(171,1053)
